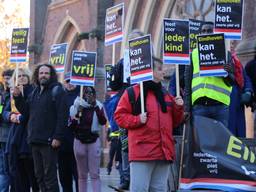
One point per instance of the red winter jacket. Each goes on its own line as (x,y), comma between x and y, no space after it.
(153,140)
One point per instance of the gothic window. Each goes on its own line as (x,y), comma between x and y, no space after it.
(199,9)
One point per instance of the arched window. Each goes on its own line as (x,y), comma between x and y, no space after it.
(199,9)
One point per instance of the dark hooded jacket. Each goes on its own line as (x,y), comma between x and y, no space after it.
(68,140)
(18,132)
(4,126)
(45,113)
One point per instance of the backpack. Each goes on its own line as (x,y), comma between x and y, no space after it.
(133,101)
(56,91)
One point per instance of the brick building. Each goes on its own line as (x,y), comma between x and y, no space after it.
(59,21)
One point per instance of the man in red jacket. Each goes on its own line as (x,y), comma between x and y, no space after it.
(151,144)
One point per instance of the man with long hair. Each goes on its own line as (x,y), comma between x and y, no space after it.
(45,113)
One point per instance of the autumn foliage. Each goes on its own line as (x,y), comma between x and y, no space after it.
(12,16)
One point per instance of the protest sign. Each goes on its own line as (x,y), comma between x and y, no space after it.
(140,54)
(228,165)
(108,68)
(19,45)
(58,54)
(194,30)
(176,42)
(211,54)
(114,24)
(108,90)
(228,18)
(83,68)
(126,70)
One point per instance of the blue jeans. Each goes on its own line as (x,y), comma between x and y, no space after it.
(126,166)
(4,178)
(217,112)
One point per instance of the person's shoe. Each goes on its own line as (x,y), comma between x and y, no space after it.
(108,171)
(124,186)
(117,165)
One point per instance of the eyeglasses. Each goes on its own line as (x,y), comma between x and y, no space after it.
(207,30)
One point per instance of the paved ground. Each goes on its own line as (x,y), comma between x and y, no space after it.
(112,179)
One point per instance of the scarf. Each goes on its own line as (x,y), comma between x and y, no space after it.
(158,92)
(238,71)
(95,127)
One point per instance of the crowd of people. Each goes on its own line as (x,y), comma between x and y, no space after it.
(47,126)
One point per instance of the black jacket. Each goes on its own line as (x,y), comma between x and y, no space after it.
(68,140)
(17,138)
(250,69)
(45,113)
(4,126)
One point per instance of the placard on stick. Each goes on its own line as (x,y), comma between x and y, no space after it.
(194,30)
(212,55)
(176,42)
(83,68)
(140,52)
(228,18)
(108,68)
(58,55)
(114,24)
(19,45)
(126,71)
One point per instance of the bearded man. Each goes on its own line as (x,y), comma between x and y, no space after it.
(45,114)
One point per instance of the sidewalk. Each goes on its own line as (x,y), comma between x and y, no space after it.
(112,179)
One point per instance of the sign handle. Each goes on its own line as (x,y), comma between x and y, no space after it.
(113,54)
(81,96)
(62,77)
(227,46)
(17,73)
(177,81)
(113,58)
(142,97)
(182,152)
(16,83)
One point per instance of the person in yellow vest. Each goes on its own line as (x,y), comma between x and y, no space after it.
(207,96)
(115,149)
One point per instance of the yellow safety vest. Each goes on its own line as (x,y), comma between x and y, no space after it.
(114,134)
(211,87)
